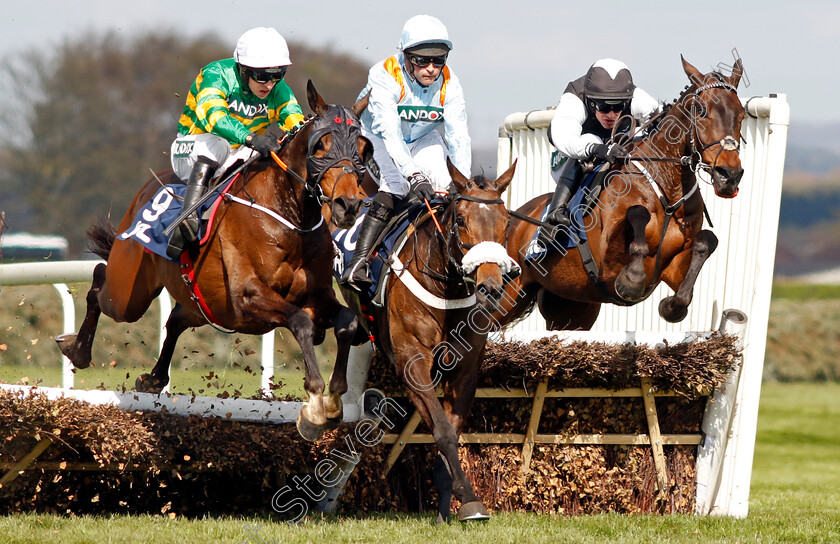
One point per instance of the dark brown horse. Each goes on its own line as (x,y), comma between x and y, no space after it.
(255,273)
(434,319)
(646,226)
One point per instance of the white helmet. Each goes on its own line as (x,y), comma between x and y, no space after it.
(425,30)
(262,47)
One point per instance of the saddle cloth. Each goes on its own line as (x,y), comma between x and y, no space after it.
(159,212)
(344,241)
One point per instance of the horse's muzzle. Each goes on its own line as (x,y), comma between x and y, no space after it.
(489,294)
(344,211)
(725,180)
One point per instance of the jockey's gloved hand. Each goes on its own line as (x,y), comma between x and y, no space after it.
(421,187)
(608,153)
(263,143)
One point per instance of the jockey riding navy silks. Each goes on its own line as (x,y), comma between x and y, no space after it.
(230,105)
(584,119)
(413,95)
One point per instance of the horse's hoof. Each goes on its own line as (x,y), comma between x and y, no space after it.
(473,511)
(441,519)
(628,289)
(333,423)
(146,384)
(309,431)
(67,344)
(671,312)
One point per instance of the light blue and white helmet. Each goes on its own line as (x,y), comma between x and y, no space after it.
(425,35)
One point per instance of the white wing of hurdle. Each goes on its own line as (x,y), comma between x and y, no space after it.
(738,275)
(58,274)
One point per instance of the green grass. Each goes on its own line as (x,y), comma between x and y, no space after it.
(794,499)
(804,291)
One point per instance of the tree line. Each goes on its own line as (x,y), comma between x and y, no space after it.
(85,124)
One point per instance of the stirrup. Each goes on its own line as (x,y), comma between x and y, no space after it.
(357,278)
(559,219)
(181,238)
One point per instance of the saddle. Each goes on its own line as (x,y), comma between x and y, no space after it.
(581,204)
(391,240)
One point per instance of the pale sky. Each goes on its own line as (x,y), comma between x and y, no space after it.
(511,56)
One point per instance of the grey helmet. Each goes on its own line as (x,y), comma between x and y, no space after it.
(610,80)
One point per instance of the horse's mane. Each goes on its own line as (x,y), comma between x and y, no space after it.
(666,106)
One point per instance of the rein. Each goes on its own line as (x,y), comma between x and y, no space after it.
(453,234)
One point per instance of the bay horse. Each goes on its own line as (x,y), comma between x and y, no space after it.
(266,263)
(434,318)
(646,225)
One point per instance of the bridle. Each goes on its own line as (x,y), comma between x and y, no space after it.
(727,143)
(452,239)
(344,127)
(694,159)
(346,131)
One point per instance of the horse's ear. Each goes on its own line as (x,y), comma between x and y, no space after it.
(694,75)
(460,181)
(315,101)
(360,106)
(504,180)
(737,72)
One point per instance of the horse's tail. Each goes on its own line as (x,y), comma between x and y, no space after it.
(102,235)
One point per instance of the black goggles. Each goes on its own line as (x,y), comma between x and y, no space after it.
(266,75)
(605,107)
(422,62)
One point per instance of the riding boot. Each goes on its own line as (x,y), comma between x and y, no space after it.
(567,184)
(356,275)
(187,232)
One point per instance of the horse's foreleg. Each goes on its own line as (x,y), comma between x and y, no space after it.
(446,439)
(77,347)
(312,421)
(675,308)
(179,321)
(630,283)
(345,324)
(458,398)
(264,305)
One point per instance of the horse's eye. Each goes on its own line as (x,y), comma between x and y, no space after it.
(459,220)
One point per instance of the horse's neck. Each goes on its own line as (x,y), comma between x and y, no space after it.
(671,139)
(430,261)
(291,194)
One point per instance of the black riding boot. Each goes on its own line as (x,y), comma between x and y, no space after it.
(356,275)
(187,232)
(558,209)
